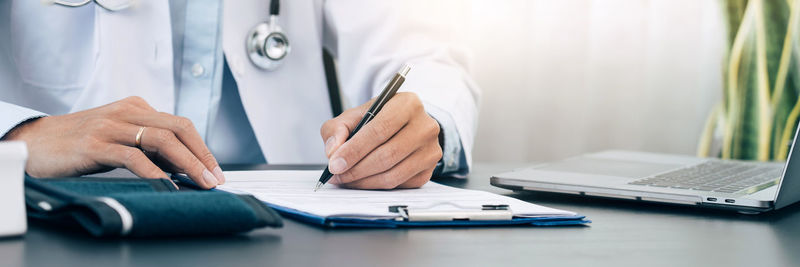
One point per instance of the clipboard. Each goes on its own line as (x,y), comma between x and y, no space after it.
(434,205)
(455,219)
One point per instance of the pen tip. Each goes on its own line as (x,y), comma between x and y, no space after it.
(319,184)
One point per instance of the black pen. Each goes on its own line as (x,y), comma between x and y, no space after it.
(373,110)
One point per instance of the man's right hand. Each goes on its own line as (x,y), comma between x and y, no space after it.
(103,138)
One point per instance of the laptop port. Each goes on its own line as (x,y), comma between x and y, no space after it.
(730,201)
(711,199)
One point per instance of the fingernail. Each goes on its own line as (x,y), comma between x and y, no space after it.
(219,175)
(337,165)
(335,180)
(329,144)
(210,180)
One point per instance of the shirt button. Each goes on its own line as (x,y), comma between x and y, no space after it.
(197,70)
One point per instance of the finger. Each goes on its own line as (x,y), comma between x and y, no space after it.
(139,102)
(124,133)
(349,118)
(119,132)
(166,145)
(120,156)
(185,132)
(395,176)
(386,155)
(335,131)
(395,114)
(419,180)
(335,134)
(131,104)
(335,180)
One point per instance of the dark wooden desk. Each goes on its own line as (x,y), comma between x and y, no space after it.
(623,233)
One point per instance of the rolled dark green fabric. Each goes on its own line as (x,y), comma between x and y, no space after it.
(144,208)
(104,186)
(191,213)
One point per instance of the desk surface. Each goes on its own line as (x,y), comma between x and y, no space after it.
(624,233)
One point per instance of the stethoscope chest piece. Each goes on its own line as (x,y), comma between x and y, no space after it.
(267,45)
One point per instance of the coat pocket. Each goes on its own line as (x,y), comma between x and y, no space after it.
(53,47)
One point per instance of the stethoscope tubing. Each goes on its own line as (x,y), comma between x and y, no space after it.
(86,2)
(69,4)
(261,58)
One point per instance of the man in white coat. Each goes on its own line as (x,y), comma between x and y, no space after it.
(167,86)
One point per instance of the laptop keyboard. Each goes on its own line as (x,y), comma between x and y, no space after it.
(717,176)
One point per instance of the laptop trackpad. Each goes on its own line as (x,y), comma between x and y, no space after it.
(610,167)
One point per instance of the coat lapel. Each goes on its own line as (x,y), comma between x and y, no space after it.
(287,106)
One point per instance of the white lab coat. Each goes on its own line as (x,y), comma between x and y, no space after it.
(58,60)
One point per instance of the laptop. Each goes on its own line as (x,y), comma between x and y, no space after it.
(745,186)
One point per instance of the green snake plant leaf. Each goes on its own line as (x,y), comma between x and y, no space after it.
(759,109)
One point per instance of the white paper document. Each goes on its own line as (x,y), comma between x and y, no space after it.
(294,190)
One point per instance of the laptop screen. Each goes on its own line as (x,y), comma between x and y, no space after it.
(789,187)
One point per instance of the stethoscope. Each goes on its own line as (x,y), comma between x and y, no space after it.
(266,44)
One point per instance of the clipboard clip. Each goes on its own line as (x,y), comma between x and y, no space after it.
(490,212)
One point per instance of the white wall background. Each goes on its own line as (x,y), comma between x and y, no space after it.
(563,77)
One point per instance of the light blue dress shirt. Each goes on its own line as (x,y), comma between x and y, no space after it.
(207,94)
